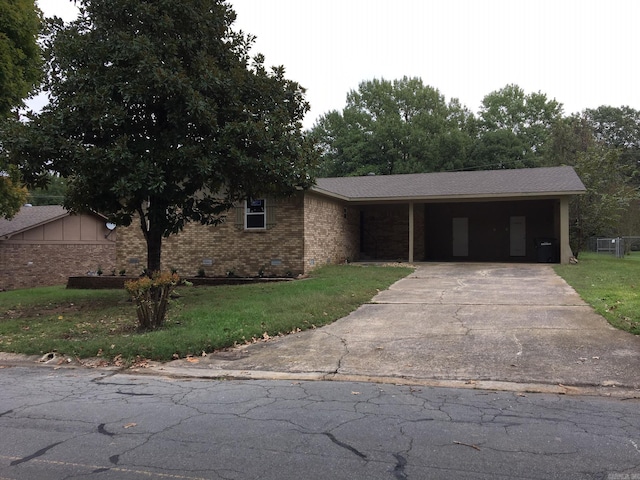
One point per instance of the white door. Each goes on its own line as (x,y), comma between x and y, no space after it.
(461,237)
(517,237)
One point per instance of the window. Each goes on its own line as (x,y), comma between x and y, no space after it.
(255,214)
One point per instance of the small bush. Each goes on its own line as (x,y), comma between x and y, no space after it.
(152,298)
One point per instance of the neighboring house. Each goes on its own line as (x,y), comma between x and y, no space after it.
(45,245)
(485,216)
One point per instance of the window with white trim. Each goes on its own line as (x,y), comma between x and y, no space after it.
(255,214)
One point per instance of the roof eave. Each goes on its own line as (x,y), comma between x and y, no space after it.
(7,236)
(440,198)
(327,193)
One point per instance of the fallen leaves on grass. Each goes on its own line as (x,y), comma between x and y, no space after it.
(140,363)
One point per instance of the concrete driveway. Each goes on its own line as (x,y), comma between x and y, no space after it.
(483,325)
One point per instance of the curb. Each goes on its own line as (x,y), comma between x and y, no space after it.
(618,391)
(163,370)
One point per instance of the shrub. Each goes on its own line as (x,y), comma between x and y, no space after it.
(152,298)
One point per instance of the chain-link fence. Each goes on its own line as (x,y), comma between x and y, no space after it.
(618,246)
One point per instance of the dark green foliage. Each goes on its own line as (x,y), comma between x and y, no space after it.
(610,205)
(20,73)
(158,110)
(619,128)
(609,194)
(515,128)
(20,58)
(394,127)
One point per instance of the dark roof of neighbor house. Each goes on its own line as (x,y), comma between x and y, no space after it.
(535,182)
(30,217)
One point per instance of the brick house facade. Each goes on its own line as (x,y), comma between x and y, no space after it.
(45,245)
(456,216)
(302,231)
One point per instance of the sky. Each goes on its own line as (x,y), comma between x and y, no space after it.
(582,53)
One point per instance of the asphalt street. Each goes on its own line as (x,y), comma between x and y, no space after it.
(73,423)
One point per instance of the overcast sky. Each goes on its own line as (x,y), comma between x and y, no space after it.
(583,53)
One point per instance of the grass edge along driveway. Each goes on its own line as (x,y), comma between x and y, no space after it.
(610,285)
(89,323)
(102,323)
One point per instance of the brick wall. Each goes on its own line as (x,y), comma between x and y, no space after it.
(219,249)
(386,232)
(24,265)
(331,231)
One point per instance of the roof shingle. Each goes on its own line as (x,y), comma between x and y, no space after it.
(29,217)
(486,183)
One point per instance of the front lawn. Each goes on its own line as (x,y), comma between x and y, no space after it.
(611,285)
(102,323)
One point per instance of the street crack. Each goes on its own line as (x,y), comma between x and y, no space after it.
(133,394)
(39,453)
(345,445)
(398,470)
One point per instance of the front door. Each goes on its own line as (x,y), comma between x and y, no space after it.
(517,237)
(461,237)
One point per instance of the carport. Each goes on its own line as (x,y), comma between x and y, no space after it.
(517,215)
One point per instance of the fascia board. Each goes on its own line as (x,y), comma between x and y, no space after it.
(440,198)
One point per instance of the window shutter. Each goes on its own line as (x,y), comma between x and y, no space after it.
(270,205)
(240,216)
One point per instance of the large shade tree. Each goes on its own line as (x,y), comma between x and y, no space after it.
(20,73)
(159,113)
(515,128)
(390,127)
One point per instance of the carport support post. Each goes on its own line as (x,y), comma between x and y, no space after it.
(411,228)
(565,249)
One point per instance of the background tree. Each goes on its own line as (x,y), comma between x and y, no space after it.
(514,128)
(157,110)
(618,127)
(609,194)
(570,137)
(394,127)
(610,206)
(52,193)
(20,73)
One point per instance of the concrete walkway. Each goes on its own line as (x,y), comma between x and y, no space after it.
(504,326)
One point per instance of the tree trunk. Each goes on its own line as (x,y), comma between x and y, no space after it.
(154,249)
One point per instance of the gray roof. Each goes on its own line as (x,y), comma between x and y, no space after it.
(533,182)
(30,217)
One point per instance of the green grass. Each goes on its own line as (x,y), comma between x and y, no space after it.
(90,323)
(611,285)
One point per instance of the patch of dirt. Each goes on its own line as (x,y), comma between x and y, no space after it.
(41,311)
(54,309)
